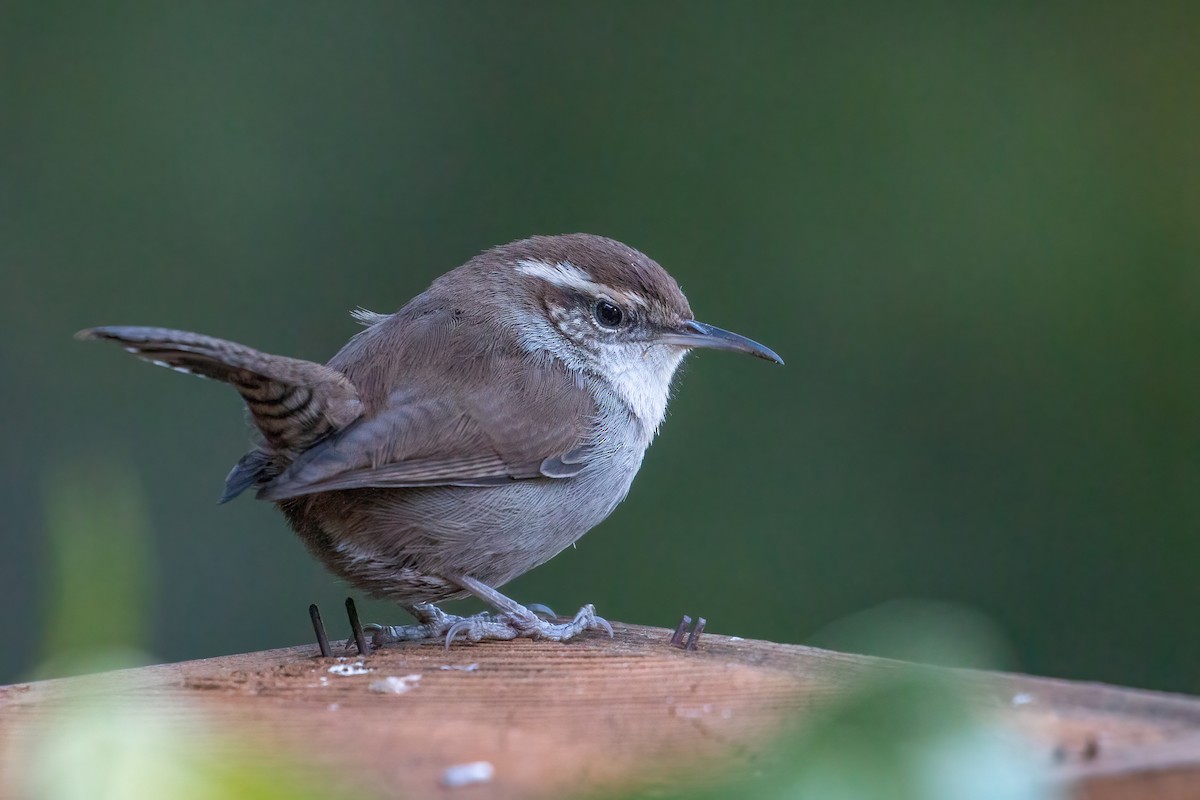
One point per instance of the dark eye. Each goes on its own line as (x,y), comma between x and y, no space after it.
(609,315)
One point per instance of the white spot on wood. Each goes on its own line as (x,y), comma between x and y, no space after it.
(357,668)
(467,774)
(693,712)
(393,684)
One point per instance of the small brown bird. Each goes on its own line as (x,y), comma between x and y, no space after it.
(470,436)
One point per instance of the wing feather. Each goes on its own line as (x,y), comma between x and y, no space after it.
(508,417)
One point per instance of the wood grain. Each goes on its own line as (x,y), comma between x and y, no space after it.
(556,719)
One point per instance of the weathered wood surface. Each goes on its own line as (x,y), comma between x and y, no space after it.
(555,719)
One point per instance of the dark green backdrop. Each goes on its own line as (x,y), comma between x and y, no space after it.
(971,230)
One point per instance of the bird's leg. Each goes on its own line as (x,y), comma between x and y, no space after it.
(515,620)
(432,623)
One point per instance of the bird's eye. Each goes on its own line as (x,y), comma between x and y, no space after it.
(609,315)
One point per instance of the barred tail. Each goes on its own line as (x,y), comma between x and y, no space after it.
(293,403)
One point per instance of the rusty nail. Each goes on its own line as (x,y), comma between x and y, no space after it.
(360,641)
(319,630)
(695,635)
(677,637)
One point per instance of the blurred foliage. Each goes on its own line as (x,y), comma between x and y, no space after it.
(970,228)
(100,744)
(109,750)
(902,733)
(899,736)
(99,581)
(922,632)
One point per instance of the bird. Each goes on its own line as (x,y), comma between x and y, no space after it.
(470,436)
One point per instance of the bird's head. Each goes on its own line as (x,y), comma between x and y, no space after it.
(605,310)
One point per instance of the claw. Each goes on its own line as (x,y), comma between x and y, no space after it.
(456,629)
(372,629)
(542,610)
(587,619)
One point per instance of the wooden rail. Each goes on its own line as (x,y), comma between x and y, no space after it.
(554,719)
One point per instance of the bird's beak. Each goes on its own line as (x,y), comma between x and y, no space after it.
(697,334)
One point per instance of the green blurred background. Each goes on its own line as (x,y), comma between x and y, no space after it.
(971,230)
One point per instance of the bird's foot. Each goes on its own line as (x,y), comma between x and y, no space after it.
(525,623)
(433,623)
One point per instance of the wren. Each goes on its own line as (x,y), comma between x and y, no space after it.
(470,436)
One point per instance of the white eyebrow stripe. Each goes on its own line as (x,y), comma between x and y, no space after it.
(569,276)
(631,298)
(564,274)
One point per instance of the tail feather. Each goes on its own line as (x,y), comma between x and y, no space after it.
(293,403)
(253,469)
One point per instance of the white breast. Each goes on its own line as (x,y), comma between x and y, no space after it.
(641,377)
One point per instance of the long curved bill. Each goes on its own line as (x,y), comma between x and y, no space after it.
(697,334)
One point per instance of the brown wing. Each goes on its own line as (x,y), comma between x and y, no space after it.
(456,410)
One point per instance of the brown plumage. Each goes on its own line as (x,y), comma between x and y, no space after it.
(470,436)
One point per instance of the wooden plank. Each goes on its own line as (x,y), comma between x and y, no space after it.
(555,718)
